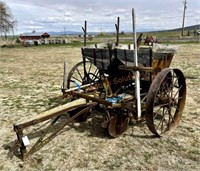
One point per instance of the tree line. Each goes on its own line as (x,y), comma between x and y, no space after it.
(7,21)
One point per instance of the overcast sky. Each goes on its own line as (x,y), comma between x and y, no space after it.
(101,15)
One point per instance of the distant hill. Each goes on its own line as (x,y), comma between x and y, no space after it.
(194,27)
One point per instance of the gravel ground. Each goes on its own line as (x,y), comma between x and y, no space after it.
(30,83)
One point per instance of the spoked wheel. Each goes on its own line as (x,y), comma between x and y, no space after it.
(165,101)
(118,123)
(78,77)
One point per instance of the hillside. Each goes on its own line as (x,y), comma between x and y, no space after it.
(194,27)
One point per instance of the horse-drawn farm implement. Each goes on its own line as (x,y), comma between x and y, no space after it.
(130,83)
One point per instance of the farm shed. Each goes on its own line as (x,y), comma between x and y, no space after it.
(34,36)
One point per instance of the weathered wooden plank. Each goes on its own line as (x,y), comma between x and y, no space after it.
(127,56)
(51,113)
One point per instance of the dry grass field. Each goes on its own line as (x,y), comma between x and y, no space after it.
(30,81)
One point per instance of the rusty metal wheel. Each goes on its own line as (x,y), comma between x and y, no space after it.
(165,101)
(77,76)
(118,123)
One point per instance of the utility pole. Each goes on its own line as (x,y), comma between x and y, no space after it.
(65,31)
(185,6)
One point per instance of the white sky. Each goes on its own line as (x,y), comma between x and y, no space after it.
(101,15)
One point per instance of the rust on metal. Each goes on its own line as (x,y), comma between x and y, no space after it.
(165,101)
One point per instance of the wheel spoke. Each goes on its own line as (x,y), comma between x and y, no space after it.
(175,80)
(161,121)
(171,118)
(79,74)
(164,89)
(177,91)
(156,113)
(176,108)
(77,80)
(95,74)
(90,68)
(158,110)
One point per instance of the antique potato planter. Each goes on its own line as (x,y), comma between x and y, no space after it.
(130,83)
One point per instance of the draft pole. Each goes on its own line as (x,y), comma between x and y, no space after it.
(137,73)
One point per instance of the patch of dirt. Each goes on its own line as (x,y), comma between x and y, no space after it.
(30,83)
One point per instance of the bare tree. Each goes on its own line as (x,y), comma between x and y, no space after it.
(7,22)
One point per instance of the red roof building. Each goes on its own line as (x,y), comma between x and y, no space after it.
(34,36)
